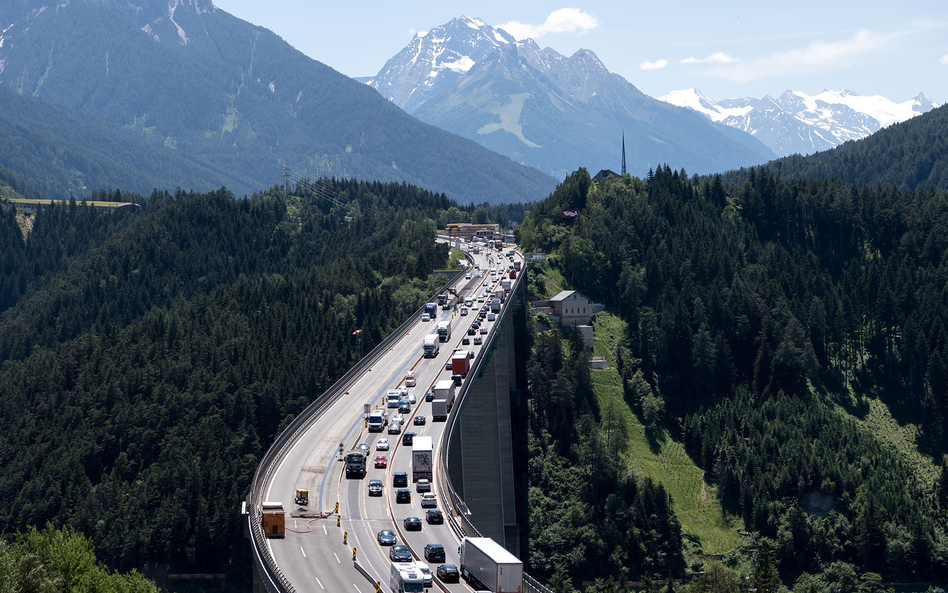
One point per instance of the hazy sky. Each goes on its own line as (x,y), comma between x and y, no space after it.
(725,48)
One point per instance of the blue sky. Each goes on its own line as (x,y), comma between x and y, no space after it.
(725,49)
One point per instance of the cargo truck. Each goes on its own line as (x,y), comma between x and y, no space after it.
(443,399)
(431,347)
(442,297)
(422,458)
(355,464)
(488,565)
(459,364)
(495,305)
(406,578)
(377,420)
(448,304)
(444,330)
(505,284)
(516,266)
(431,309)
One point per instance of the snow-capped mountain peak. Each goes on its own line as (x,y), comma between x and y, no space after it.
(797,122)
(434,59)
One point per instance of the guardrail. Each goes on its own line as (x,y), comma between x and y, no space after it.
(459,515)
(270,573)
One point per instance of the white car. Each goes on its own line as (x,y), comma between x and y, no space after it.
(429,500)
(425,317)
(411,397)
(381,445)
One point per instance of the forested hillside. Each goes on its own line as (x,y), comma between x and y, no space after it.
(909,155)
(763,320)
(151,356)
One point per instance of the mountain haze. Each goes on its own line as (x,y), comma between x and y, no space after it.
(195,79)
(547,110)
(796,122)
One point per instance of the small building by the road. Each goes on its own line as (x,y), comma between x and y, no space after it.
(572,308)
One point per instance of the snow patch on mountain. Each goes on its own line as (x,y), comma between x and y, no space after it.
(797,122)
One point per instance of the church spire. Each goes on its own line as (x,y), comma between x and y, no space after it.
(623,153)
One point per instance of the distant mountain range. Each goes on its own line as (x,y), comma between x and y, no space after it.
(799,123)
(195,80)
(549,111)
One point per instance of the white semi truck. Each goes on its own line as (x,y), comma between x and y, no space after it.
(444,391)
(444,330)
(488,565)
(431,346)
(422,458)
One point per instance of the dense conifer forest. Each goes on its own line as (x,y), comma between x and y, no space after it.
(763,318)
(150,355)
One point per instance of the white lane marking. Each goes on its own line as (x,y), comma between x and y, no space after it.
(357,587)
(337,558)
(324,530)
(320,584)
(303,551)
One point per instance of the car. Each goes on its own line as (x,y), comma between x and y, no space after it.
(466,341)
(403,495)
(381,462)
(425,317)
(381,445)
(448,573)
(467,276)
(429,397)
(480,299)
(399,553)
(434,553)
(410,379)
(471,331)
(412,524)
(483,331)
(411,397)
(399,479)
(463,311)
(419,420)
(425,572)
(397,417)
(491,316)
(429,500)
(386,537)
(434,516)
(394,428)
(448,366)
(408,438)
(375,487)
(423,485)
(476,325)
(478,340)
(404,406)
(364,448)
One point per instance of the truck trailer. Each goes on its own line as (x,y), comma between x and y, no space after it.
(444,391)
(431,346)
(488,565)
(406,578)
(459,363)
(422,458)
(444,330)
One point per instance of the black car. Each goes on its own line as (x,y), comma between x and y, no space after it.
(399,553)
(419,420)
(387,537)
(466,340)
(434,516)
(429,397)
(412,524)
(448,573)
(404,407)
(399,479)
(403,495)
(471,331)
(408,438)
(434,553)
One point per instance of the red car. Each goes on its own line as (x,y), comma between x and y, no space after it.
(381,461)
(483,330)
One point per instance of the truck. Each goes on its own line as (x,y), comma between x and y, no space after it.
(495,305)
(459,364)
(431,309)
(448,304)
(392,396)
(444,391)
(422,458)
(442,297)
(488,565)
(355,464)
(517,265)
(498,245)
(406,578)
(377,420)
(431,347)
(506,284)
(444,331)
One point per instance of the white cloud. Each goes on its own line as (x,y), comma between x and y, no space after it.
(944,59)
(563,20)
(646,65)
(715,58)
(819,56)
